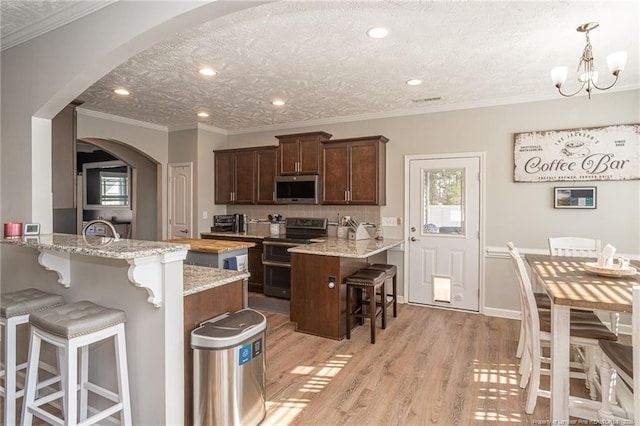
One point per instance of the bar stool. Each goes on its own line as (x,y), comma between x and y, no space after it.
(370,281)
(71,327)
(391,273)
(15,308)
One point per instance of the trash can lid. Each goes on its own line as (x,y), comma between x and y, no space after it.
(228,330)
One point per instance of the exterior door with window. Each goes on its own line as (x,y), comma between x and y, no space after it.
(444,231)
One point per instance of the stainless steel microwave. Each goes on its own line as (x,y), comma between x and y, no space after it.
(303,189)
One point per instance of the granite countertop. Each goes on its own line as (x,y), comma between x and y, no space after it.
(96,246)
(212,246)
(201,278)
(341,247)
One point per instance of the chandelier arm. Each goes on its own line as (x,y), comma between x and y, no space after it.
(573,94)
(608,87)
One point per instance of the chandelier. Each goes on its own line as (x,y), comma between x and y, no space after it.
(587,75)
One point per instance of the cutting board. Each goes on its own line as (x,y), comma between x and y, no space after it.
(211,246)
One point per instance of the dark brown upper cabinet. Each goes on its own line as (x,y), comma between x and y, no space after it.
(299,154)
(234,176)
(266,170)
(354,171)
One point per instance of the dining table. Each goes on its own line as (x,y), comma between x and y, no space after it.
(570,285)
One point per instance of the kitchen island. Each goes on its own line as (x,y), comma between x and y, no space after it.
(146,280)
(212,252)
(318,272)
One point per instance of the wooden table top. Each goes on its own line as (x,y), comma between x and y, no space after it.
(212,246)
(567,283)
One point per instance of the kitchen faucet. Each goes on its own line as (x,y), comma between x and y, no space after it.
(116,236)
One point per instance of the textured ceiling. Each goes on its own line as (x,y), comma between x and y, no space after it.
(317,57)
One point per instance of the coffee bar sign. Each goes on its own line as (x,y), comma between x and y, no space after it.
(597,153)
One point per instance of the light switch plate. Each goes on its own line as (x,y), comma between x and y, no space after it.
(205,214)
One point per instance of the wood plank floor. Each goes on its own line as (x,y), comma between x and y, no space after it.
(430,366)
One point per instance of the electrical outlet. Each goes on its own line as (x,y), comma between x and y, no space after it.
(389,221)
(205,214)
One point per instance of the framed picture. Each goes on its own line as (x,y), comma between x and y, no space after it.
(583,197)
(31,229)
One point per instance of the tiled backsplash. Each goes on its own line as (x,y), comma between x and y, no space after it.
(369,214)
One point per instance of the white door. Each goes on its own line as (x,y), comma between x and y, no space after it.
(180,199)
(444,232)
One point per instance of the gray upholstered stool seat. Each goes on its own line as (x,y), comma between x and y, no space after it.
(27,301)
(391,272)
(369,281)
(72,328)
(76,319)
(15,308)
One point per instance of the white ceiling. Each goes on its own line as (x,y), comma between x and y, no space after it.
(317,57)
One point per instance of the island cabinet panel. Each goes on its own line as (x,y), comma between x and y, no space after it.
(299,154)
(354,171)
(266,170)
(234,176)
(254,259)
(316,308)
(200,307)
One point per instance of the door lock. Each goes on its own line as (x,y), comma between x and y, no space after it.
(413,229)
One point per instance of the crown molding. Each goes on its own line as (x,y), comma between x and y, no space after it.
(49,23)
(200,126)
(123,120)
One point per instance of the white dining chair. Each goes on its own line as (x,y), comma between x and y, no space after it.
(620,360)
(585,330)
(574,246)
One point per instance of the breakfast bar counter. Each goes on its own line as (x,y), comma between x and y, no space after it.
(142,278)
(341,247)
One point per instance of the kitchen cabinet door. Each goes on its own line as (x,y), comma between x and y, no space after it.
(300,153)
(335,174)
(224,177)
(364,173)
(234,177)
(354,171)
(266,167)
(244,179)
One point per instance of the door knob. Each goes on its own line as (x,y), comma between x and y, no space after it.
(184,231)
(414,239)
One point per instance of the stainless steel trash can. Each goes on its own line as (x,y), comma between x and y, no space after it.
(229,377)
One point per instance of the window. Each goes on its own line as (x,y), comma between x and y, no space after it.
(444,201)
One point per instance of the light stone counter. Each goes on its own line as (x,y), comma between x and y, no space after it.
(96,246)
(341,247)
(200,278)
(258,235)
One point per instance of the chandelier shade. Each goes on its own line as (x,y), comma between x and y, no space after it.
(587,76)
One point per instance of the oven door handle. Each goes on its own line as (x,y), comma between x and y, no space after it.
(278,264)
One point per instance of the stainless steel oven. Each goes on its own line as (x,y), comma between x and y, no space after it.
(276,259)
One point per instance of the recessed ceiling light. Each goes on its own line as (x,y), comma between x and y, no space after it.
(203,114)
(207,71)
(378,32)
(278,102)
(123,92)
(413,82)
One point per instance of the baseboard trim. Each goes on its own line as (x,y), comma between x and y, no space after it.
(501,313)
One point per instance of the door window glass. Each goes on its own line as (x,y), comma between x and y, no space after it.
(443,201)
